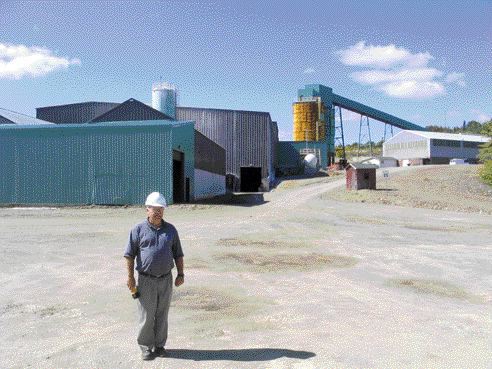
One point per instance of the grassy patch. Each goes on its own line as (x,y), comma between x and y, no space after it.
(204,299)
(10,307)
(274,244)
(283,262)
(436,288)
(48,311)
(486,173)
(197,264)
(364,220)
(218,312)
(432,228)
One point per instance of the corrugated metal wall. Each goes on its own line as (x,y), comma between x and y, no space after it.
(208,184)
(288,155)
(184,141)
(246,136)
(274,150)
(289,152)
(406,145)
(209,156)
(108,163)
(453,149)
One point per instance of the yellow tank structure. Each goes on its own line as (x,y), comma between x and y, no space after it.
(307,123)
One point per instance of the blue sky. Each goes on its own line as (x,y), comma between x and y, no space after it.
(429,62)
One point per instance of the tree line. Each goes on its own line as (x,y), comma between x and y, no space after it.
(485,154)
(472,127)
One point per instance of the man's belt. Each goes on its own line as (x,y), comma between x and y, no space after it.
(154,276)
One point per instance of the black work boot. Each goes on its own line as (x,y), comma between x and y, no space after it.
(147,354)
(160,351)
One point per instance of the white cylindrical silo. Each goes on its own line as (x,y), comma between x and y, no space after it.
(164,98)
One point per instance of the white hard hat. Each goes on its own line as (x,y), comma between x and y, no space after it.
(156,199)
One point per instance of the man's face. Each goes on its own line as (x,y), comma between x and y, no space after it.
(155,212)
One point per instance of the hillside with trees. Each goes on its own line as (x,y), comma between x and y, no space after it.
(472,127)
(485,154)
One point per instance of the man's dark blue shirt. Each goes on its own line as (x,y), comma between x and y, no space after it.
(154,249)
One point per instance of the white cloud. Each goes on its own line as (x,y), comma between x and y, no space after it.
(382,56)
(17,61)
(480,116)
(413,89)
(457,78)
(309,71)
(396,71)
(373,77)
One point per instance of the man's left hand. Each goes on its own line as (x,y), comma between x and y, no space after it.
(179,280)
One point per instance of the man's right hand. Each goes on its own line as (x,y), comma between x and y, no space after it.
(131,283)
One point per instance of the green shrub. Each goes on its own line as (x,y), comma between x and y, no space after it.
(486,172)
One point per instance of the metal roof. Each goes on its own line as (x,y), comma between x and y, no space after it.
(78,104)
(224,110)
(362,166)
(142,123)
(378,158)
(74,113)
(450,136)
(12,117)
(131,109)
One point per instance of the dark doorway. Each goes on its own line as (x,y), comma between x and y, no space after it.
(178,177)
(187,189)
(250,179)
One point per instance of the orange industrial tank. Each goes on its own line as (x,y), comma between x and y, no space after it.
(307,123)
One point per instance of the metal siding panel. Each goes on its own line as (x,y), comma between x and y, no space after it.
(132,164)
(183,139)
(209,156)
(405,139)
(7,169)
(217,125)
(46,170)
(244,135)
(81,165)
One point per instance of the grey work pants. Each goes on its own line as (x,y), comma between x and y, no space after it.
(153,308)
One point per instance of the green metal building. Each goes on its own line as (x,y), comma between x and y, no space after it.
(106,163)
(290,155)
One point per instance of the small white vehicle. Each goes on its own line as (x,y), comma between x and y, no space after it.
(457,162)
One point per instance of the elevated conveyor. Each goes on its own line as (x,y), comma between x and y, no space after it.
(329,101)
(365,110)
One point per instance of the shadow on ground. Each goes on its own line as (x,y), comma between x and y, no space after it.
(258,354)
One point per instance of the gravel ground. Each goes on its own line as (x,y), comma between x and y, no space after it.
(443,187)
(299,281)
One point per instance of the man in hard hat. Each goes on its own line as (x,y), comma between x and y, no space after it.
(155,246)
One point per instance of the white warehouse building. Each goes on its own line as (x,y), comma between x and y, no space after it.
(422,147)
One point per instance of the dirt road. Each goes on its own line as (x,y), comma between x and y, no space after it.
(301,281)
